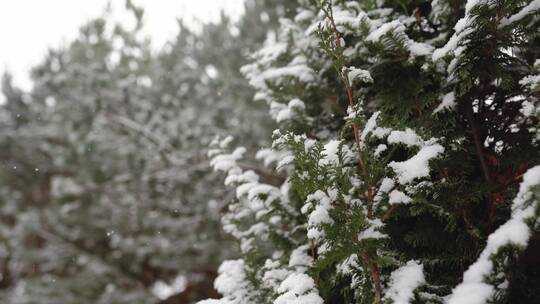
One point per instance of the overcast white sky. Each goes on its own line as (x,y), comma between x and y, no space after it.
(29,27)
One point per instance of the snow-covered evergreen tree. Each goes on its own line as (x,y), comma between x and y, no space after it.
(405,168)
(106,194)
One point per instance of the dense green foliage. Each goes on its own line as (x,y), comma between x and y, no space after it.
(406,129)
(106,194)
(404,167)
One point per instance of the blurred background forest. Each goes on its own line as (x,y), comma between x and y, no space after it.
(106,195)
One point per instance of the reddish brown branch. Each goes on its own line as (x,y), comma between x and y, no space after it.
(373,267)
(350,98)
(389,212)
(375,276)
(478,144)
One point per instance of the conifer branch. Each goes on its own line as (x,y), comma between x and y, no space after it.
(480,154)
(350,97)
(375,276)
(372,266)
(478,144)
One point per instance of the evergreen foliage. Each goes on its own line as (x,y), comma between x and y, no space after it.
(106,195)
(406,164)
(404,167)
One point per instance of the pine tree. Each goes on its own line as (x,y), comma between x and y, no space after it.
(105,195)
(405,166)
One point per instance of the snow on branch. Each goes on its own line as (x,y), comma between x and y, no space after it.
(404,281)
(475,288)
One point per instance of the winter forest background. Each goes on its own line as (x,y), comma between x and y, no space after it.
(314,151)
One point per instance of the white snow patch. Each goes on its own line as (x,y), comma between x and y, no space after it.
(372,231)
(407,137)
(299,71)
(398,197)
(404,281)
(394,26)
(448,102)
(298,288)
(530,81)
(281,112)
(354,74)
(231,281)
(527,10)
(419,48)
(416,166)
(320,215)
(163,290)
(300,258)
(370,125)
(474,289)
(227,162)
(296,103)
(331,153)
(348,265)
(380,149)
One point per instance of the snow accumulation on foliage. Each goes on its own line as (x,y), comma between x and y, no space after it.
(372,232)
(298,288)
(516,232)
(320,214)
(448,102)
(418,165)
(404,281)
(397,196)
(394,26)
(390,141)
(531,8)
(354,74)
(230,283)
(105,194)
